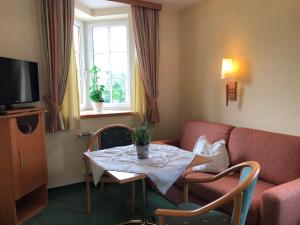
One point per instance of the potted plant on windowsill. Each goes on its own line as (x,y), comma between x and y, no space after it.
(141,136)
(96,90)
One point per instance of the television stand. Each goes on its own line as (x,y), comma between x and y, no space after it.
(23,166)
(13,110)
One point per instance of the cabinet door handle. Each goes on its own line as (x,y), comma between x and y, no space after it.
(22,157)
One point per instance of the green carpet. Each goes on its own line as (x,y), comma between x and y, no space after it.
(67,206)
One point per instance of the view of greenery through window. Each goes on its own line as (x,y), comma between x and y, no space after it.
(118,92)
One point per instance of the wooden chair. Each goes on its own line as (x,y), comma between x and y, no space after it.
(192,214)
(107,137)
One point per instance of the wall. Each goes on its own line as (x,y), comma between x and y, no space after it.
(264,36)
(168,83)
(20,38)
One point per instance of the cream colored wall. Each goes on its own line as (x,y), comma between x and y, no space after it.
(168,84)
(19,38)
(265,37)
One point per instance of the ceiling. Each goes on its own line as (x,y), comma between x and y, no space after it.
(176,4)
(100,4)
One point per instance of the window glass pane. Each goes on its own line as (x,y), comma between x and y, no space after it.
(110,54)
(118,38)
(76,38)
(78,64)
(80,87)
(118,64)
(107,92)
(77,45)
(118,91)
(101,39)
(102,61)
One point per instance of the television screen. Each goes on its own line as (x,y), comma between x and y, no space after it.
(18,81)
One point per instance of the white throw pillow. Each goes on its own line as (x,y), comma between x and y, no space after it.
(217,153)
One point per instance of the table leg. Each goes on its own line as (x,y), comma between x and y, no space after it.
(143,209)
(133,197)
(143,221)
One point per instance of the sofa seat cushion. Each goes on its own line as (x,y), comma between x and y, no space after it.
(209,192)
(214,132)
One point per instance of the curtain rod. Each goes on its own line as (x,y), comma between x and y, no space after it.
(140,3)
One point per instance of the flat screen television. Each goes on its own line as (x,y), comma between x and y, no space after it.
(18,82)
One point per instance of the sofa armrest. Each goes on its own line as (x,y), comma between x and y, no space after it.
(167,142)
(281,204)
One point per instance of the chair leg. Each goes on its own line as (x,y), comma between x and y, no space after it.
(133,197)
(185,193)
(88,197)
(162,220)
(102,186)
(236,215)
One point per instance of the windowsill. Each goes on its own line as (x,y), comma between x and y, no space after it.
(85,114)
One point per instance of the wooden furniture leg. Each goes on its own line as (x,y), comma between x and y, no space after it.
(185,192)
(88,196)
(133,197)
(237,209)
(162,220)
(102,186)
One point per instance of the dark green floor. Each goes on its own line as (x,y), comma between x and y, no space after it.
(67,206)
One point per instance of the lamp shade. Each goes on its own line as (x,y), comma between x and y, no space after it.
(227,69)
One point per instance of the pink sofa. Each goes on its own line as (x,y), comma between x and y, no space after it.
(277,197)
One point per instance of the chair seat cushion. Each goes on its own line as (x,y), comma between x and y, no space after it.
(209,192)
(209,218)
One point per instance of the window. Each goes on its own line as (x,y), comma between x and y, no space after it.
(106,45)
(79,57)
(109,50)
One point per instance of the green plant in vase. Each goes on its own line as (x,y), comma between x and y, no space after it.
(141,137)
(96,90)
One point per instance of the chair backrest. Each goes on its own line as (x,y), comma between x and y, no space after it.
(112,136)
(247,193)
(241,194)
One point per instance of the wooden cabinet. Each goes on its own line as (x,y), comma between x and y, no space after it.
(23,165)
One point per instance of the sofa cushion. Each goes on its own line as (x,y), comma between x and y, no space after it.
(277,154)
(209,192)
(214,132)
(215,152)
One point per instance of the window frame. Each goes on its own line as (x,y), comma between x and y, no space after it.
(90,54)
(84,105)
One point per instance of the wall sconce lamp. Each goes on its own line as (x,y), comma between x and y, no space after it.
(229,72)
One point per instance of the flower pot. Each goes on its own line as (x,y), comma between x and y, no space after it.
(97,106)
(142,151)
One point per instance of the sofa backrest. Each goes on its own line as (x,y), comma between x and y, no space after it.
(277,154)
(192,130)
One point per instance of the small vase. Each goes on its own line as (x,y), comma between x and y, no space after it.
(142,151)
(97,106)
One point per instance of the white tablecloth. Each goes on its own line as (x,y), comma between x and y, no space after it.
(165,164)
